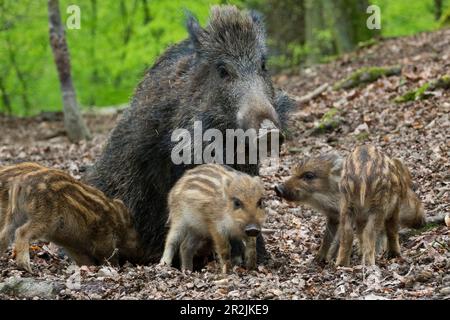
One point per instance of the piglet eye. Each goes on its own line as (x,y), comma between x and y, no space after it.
(259,204)
(223,72)
(237,204)
(308,176)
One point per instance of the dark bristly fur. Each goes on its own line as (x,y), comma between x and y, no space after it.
(48,204)
(217,76)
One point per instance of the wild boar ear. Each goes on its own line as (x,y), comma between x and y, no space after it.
(336,168)
(258,20)
(196,33)
(119,203)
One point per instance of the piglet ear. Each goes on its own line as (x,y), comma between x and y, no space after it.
(338,162)
(119,203)
(227,184)
(196,32)
(258,180)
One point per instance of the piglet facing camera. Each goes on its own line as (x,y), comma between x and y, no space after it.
(218,203)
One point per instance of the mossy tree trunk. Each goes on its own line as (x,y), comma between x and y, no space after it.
(445,19)
(94,77)
(285,22)
(314,24)
(146,10)
(6,101)
(322,27)
(349,22)
(437,9)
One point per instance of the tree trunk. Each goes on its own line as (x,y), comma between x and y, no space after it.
(437,9)
(349,19)
(285,21)
(19,73)
(147,17)
(73,122)
(94,75)
(5,97)
(128,21)
(313,25)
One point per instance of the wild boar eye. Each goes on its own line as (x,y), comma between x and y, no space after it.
(263,65)
(308,176)
(237,204)
(223,72)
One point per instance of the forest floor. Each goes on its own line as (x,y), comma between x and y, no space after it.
(417,131)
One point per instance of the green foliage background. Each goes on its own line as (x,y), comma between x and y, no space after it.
(105,66)
(105,69)
(407,17)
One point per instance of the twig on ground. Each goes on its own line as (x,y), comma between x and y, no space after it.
(311,95)
(268,231)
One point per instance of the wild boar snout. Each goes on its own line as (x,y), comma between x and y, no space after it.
(280,190)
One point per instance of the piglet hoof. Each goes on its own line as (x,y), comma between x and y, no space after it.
(393,254)
(342,262)
(320,260)
(25,265)
(250,265)
(237,260)
(226,267)
(164,263)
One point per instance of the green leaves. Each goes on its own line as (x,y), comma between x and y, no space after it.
(105,67)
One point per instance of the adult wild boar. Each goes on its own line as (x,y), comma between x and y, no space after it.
(217,76)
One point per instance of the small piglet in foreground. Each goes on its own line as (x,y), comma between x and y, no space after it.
(48,204)
(218,203)
(376,193)
(315,182)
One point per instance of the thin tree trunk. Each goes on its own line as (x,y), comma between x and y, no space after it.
(313,24)
(73,122)
(128,20)
(342,25)
(348,22)
(285,21)
(437,9)
(147,16)
(19,73)
(5,97)
(359,18)
(94,75)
